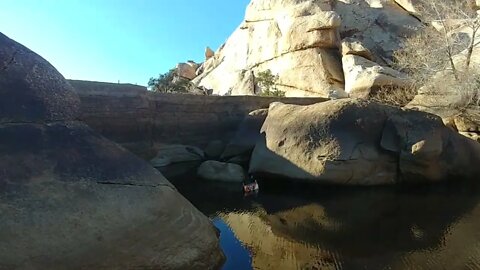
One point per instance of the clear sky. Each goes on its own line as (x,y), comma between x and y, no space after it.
(126,40)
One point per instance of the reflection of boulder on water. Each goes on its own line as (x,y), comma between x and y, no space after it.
(371,228)
(270,251)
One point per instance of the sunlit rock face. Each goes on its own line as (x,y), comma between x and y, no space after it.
(295,39)
(380,25)
(300,42)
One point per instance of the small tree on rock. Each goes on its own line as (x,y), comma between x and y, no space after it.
(268,84)
(169,83)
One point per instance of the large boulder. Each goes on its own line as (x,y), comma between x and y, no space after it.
(31,90)
(363,77)
(220,171)
(70,199)
(357,142)
(355,47)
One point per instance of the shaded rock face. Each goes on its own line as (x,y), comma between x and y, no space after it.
(220,171)
(379,25)
(31,90)
(143,121)
(299,41)
(71,199)
(247,134)
(176,153)
(358,142)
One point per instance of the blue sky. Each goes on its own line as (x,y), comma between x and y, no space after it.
(126,40)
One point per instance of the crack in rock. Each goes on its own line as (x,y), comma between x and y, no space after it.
(134,185)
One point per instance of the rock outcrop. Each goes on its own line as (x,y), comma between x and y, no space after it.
(363,77)
(209,53)
(358,142)
(214,149)
(187,70)
(71,199)
(352,46)
(300,42)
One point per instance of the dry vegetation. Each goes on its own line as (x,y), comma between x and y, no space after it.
(439,57)
(394,95)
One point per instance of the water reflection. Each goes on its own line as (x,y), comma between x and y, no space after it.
(292,227)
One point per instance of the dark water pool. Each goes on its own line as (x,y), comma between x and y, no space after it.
(299,227)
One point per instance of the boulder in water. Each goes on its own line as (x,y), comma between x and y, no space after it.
(357,142)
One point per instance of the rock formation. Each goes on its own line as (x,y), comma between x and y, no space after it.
(358,142)
(301,42)
(363,77)
(187,70)
(71,199)
(209,53)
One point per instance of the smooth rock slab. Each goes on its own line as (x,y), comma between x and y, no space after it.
(70,199)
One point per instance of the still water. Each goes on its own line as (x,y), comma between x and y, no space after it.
(289,226)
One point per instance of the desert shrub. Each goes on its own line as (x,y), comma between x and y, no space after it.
(268,84)
(394,95)
(169,83)
(438,58)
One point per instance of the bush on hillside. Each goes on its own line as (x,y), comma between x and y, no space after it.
(439,57)
(394,95)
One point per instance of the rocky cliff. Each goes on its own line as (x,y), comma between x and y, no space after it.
(301,41)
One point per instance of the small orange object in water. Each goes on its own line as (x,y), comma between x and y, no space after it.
(252,187)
